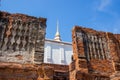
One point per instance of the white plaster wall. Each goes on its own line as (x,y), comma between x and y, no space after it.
(57,52)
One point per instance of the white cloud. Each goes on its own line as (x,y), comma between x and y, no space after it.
(113,16)
(104,4)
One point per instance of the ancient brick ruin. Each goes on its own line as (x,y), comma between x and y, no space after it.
(21,38)
(15,71)
(96,55)
(21,46)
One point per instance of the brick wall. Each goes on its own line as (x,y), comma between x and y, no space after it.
(95,52)
(15,71)
(44,71)
(61,72)
(21,38)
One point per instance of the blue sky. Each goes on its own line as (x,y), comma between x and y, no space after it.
(102,15)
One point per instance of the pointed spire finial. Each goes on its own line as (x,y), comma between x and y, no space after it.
(57,26)
(57,35)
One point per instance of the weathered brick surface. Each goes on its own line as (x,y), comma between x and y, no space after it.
(96,54)
(61,72)
(15,71)
(21,38)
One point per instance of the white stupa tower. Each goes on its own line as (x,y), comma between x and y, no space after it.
(57,35)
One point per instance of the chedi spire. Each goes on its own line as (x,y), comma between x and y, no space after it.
(57,35)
